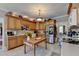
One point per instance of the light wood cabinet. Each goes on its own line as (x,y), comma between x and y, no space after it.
(32,26)
(20,40)
(12,42)
(25,23)
(13,23)
(10,23)
(15,41)
(37,26)
(42,26)
(18,24)
(29,24)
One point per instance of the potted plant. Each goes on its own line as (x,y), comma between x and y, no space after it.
(29,35)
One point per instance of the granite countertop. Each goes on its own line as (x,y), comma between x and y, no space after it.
(16,35)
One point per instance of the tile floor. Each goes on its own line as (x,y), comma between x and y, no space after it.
(0,47)
(53,50)
(69,49)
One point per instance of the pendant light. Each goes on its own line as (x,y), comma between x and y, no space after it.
(39,14)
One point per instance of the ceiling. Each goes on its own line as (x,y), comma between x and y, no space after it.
(48,10)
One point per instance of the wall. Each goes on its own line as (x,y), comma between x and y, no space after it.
(2,13)
(62,21)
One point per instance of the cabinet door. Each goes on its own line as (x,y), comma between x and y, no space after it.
(32,26)
(42,26)
(25,23)
(12,42)
(18,24)
(20,40)
(11,23)
(37,25)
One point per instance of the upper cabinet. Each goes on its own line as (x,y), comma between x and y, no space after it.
(74,17)
(32,25)
(42,26)
(10,23)
(18,24)
(13,23)
(29,24)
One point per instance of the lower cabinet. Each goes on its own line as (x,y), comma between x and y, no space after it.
(20,40)
(15,41)
(12,42)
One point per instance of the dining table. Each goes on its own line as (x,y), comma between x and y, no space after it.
(33,42)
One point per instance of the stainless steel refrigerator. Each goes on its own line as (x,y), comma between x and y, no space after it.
(50,33)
